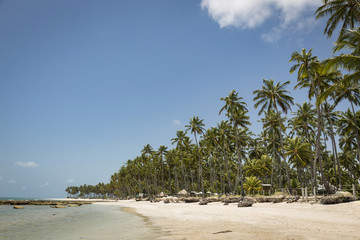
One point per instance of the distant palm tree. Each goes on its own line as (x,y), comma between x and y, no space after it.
(180,141)
(161,152)
(346,12)
(272,96)
(196,127)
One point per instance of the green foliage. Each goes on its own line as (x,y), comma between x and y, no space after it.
(252,184)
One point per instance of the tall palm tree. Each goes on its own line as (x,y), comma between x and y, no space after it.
(272,131)
(236,110)
(180,141)
(307,65)
(346,12)
(196,127)
(161,152)
(272,96)
(224,135)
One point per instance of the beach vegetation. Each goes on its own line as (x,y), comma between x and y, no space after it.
(314,144)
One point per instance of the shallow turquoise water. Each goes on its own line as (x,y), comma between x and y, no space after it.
(88,222)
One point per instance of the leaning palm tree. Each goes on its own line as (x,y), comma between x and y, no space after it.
(196,127)
(350,61)
(236,112)
(346,12)
(272,96)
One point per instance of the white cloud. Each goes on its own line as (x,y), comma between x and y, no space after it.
(26,164)
(247,14)
(176,122)
(12,181)
(70,180)
(45,184)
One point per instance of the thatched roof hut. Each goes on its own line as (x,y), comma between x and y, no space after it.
(183,192)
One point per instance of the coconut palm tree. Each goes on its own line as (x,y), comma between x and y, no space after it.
(224,129)
(252,184)
(299,153)
(161,152)
(303,121)
(236,112)
(346,12)
(272,131)
(258,167)
(307,65)
(181,142)
(196,127)
(272,96)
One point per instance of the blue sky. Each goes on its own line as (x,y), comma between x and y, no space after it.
(85,84)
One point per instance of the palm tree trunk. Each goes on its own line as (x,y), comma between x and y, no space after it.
(282,153)
(226,165)
(200,167)
(356,131)
(239,170)
(332,136)
(273,165)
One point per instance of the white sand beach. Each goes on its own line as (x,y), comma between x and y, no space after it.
(261,221)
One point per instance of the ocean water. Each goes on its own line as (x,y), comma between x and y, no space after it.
(88,222)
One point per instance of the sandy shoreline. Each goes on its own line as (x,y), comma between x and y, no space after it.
(262,221)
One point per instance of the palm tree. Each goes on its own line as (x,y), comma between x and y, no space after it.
(345,11)
(270,97)
(271,133)
(180,141)
(224,135)
(299,153)
(350,41)
(236,110)
(196,127)
(258,167)
(161,152)
(303,121)
(307,66)
(252,184)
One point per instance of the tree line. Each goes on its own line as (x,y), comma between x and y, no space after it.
(313,145)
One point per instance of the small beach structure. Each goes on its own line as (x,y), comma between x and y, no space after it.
(183,192)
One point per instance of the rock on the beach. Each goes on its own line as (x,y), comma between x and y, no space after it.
(203,202)
(166,200)
(245,204)
(60,206)
(74,205)
(18,207)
